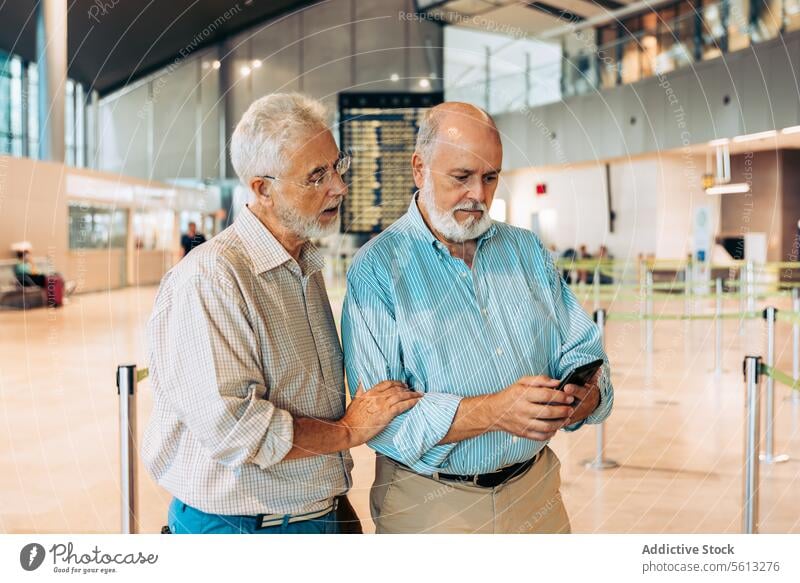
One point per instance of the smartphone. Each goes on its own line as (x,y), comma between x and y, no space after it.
(581,375)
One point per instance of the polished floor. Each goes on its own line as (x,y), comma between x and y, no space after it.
(676,429)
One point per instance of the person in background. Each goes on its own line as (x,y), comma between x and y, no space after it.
(191,239)
(604,255)
(26,272)
(585,275)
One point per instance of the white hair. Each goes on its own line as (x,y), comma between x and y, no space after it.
(269,125)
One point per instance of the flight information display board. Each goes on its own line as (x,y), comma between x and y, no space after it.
(379,131)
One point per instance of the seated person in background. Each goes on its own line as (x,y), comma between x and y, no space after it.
(26,272)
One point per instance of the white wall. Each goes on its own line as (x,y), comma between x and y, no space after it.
(654,200)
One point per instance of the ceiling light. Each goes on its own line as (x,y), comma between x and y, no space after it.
(215,65)
(756,136)
(256,64)
(792,130)
(736,188)
(395,77)
(245,70)
(424,83)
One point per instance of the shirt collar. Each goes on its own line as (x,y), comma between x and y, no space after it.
(266,252)
(419,225)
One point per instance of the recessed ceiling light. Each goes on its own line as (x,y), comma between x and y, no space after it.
(215,65)
(424,83)
(395,77)
(256,63)
(245,70)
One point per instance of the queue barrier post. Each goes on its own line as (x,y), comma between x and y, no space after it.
(648,325)
(718,328)
(752,437)
(769,457)
(127,378)
(796,343)
(600,462)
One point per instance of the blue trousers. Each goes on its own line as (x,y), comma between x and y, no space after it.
(184,519)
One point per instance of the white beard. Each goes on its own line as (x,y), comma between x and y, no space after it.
(445,221)
(303,227)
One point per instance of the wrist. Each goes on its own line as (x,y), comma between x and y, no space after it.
(347,435)
(489,413)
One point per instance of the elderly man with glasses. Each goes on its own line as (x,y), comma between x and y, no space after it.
(473,315)
(249,431)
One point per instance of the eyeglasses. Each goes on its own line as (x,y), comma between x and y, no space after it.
(341,166)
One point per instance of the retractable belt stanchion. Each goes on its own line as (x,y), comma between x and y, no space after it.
(648,325)
(796,343)
(769,457)
(718,328)
(600,462)
(126,388)
(752,437)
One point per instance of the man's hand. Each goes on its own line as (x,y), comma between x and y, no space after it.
(371,411)
(532,408)
(587,397)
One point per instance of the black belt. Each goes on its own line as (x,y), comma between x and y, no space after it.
(490,480)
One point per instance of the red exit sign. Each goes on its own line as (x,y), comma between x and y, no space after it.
(541,189)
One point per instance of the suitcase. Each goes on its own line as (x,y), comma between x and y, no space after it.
(55,291)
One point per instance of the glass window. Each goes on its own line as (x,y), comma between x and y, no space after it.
(766,21)
(153,229)
(713,33)
(607,55)
(33,110)
(16,106)
(94,226)
(791,14)
(631,62)
(685,51)
(665,61)
(738,24)
(69,122)
(5,104)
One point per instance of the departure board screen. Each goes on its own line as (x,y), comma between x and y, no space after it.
(379,131)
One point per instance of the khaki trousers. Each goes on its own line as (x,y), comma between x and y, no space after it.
(404,502)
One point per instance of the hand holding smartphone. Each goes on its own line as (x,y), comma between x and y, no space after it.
(581,375)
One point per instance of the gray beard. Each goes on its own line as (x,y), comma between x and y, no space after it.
(303,227)
(445,222)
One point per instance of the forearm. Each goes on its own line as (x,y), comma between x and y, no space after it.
(314,437)
(474,416)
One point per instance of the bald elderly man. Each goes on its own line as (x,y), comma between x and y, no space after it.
(473,315)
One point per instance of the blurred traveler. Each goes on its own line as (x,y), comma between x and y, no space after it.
(191,239)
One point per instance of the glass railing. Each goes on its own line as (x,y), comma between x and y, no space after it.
(677,35)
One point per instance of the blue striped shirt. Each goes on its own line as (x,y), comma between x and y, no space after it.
(416,314)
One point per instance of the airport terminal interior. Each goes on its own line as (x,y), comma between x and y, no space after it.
(653,146)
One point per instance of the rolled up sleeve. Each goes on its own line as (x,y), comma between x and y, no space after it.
(204,359)
(373,354)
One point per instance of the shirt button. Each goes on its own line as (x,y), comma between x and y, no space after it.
(463,274)
(514,439)
(484,311)
(499,352)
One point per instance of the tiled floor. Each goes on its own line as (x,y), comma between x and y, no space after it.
(676,429)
